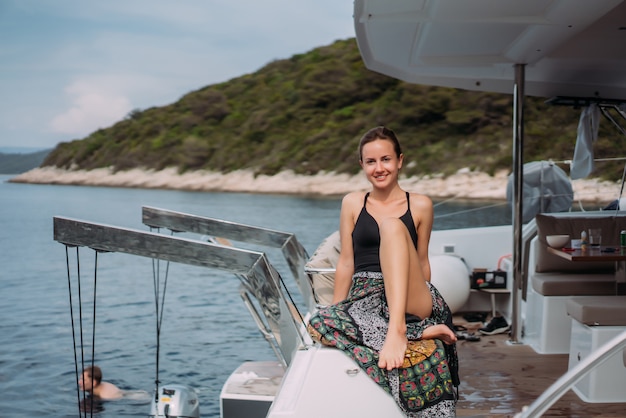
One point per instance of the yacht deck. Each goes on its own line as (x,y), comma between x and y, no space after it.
(498,379)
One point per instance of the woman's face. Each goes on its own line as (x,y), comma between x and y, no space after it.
(380,162)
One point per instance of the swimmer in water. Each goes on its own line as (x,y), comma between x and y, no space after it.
(91,382)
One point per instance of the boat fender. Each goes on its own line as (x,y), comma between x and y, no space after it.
(450,275)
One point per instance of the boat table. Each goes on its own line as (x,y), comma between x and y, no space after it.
(599,254)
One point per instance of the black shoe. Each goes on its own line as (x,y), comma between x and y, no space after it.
(497,325)
(475,316)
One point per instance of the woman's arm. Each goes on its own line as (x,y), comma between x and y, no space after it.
(345,263)
(422,208)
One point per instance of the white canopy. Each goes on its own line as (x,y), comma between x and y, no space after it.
(570,47)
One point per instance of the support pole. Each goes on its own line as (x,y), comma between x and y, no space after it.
(518,177)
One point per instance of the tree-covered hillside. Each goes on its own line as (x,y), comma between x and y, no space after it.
(11,163)
(307,112)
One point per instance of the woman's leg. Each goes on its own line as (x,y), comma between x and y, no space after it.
(440,332)
(405,289)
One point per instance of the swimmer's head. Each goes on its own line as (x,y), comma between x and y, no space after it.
(92,376)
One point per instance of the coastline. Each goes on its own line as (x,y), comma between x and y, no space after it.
(464,184)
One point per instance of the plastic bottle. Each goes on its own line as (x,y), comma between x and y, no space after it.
(583,241)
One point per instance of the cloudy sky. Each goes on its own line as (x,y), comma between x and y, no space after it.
(69,67)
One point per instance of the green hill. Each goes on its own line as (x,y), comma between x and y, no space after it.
(12,163)
(307,112)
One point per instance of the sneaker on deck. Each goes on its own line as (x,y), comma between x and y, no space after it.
(497,325)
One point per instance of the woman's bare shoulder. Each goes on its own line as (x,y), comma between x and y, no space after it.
(421,200)
(353,198)
(351,207)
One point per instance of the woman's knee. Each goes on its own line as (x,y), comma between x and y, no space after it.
(392,227)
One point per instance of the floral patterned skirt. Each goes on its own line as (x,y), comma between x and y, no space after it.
(425,385)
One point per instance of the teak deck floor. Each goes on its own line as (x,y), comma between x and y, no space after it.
(498,379)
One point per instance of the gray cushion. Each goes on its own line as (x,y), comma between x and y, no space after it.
(598,310)
(567,284)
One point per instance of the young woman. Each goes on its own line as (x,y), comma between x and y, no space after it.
(385,312)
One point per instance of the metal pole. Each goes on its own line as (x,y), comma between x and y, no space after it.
(518,177)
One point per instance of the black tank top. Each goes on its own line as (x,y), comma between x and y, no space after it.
(366,238)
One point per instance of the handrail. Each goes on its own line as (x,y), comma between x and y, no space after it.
(569,379)
(265,330)
(294,253)
(259,278)
(316,270)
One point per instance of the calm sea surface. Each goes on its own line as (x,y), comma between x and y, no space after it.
(206,331)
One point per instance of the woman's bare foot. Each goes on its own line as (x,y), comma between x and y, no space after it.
(392,354)
(441,332)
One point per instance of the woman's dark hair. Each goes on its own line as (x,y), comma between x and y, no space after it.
(380,132)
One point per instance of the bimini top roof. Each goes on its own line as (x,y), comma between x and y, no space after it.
(570,47)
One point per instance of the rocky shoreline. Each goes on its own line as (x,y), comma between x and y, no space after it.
(464,184)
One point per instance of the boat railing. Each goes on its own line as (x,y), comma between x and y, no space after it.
(294,253)
(258,277)
(319,270)
(611,348)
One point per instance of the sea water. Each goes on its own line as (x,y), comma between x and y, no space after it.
(205,333)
